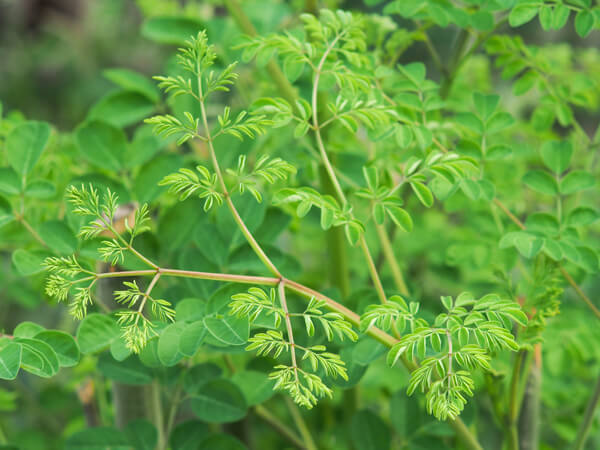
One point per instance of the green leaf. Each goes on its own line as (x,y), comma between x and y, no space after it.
(293,68)
(470,121)
(582,216)
(366,351)
(58,236)
(129,371)
(192,337)
(228,330)
(560,16)
(584,22)
(353,233)
(222,441)
(423,193)
(119,350)
(219,401)
(40,189)
(146,186)
(369,432)
(498,122)
(256,386)
(25,144)
(485,104)
(176,224)
(96,332)
(28,263)
(63,344)
(188,435)
(102,144)
(541,181)
(527,244)
(122,108)
(38,357)
(400,217)
(553,249)
(141,434)
(133,81)
(482,21)
(470,188)
(6,214)
(557,155)
(301,129)
(542,222)
(525,82)
(588,259)
(171,29)
(546,17)
(10,359)
(168,344)
(10,183)
(199,375)
(575,181)
(99,438)
(521,14)
(27,329)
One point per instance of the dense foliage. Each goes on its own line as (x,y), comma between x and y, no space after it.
(370,226)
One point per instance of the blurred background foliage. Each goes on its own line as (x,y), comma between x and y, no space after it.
(54,55)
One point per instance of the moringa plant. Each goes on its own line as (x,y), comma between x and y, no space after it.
(293,225)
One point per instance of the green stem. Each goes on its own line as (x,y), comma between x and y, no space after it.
(282,428)
(588,418)
(465,435)
(331,172)
(157,413)
(236,216)
(300,424)
(529,417)
(288,326)
(388,251)
(513,404)
(172,413)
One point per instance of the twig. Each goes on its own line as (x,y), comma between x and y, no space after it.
(283,429)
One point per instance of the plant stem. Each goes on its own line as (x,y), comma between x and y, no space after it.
(283,429)
(335,237)
(588,418)
(33,233)
(388,251)
(242,279)
(468,439)
(513,404)
(236,216)
(157,413)
(331,172)
(288,326)
(581,294)
(172,413)
(529,418)
(300,424)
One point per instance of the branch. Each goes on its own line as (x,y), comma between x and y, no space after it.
(282,428)
(236,216)
(588,418)
(331,172)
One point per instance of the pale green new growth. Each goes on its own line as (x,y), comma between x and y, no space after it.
(465,334)
(67,272)
(187,182)
(304,387)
